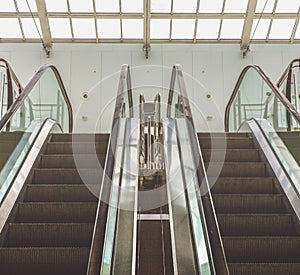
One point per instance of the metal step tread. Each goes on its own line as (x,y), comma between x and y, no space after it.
(49,234)
(231,155)
(63,137)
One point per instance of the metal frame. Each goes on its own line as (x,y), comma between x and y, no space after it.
(248,17)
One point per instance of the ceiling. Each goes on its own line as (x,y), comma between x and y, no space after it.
(150,21)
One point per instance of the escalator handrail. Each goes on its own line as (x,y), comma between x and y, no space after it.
(215,245)
(291,109)
(12,75)
(287,71)
(19,101)
(96,252)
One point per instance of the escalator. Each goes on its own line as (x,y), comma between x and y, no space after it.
(47,212)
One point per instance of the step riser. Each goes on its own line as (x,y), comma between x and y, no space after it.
(80,138)
(243,155)
(79,148)
(232,143)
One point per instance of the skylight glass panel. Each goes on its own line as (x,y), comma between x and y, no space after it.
(183,28)
(182,6)
(261,30)
(211,6)
(23,7)
(289,6)
(84,28)
(132,6)
(7,6)
(107,6)
(160,28)
(232,28)
(132,28)
(269,6)
(80,5)
(236,6)
(29,28)
(60,28)
(282,28)
(10,28)
(161,6)
(56,6)
(109,28)
(208,28)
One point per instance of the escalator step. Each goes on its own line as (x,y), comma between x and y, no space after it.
(262,249)
(80,137)
(67,175)
(245,203)
(61,193)
(49,234)
(236,169)
(231,155)
(243,185)
(264,268)
(229,143)
(71,161)
(78,148)
(45,212)
(36,260)
(257,225)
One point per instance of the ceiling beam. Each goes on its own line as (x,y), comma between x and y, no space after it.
(46,34)
(147,16)
(248,25)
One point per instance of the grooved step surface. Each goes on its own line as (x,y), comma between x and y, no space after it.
(243,185)
(236,169)
(244,203)
(67,175)
(257,224)
(77,148)
(262,249)
(72,161)
(45,212)
(80,137)
(46,260)
(232,155)
(264,268)
(62,193)
(49,234)
(227,143)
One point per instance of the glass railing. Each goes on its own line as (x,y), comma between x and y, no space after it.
(10,86)
(289,83)
(199,205)
(255,97)
(43,98)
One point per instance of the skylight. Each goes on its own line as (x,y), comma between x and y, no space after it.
(132,6)
(60,28)
(160,28)
(261,28)
(107,6)
(7,6)
(211,6)
(84,28)
(56,6)
(29,27)
(236,6)
(132,28)
(282,28)
(208,28)
(109,28)
(261,4)
(161,6)
(182,6)
(10,28)
(23,7)
(183,28)
(291,6)
(232,28)
(80,5)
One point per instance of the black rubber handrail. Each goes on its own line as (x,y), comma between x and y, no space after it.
(96,251)
(216,255)
(289,107)
(20,100)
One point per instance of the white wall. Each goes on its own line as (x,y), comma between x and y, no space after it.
(83,67)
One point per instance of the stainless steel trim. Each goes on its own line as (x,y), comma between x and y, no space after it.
(153,217)
(286,72)
(12,195)
(280,173)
